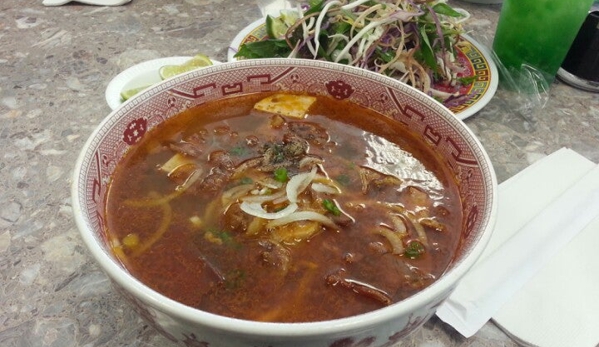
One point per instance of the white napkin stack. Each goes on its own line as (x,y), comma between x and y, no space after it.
(539,277)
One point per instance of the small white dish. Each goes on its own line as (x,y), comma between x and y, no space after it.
(142,74)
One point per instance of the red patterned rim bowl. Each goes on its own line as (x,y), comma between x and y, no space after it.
(187,326)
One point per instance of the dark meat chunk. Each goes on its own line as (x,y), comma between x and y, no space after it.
(311,132)
(252,140)
(342,219)
(288,154)
(276,255)
(277,121)
(359,288)
(387,181)
(433,224)
(246,165)
(377,247)
(372,179)
(212,183)
(235,219)
(273,154)
(186,148)
(418,278)
(192,146)
(222,130)
(218,176)
(294,147)
(221,159)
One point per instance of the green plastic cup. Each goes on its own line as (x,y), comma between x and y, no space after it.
(534,36)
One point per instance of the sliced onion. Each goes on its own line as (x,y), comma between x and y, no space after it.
(255,209)
(263,198)
(235,193)
(298,183)
(193,178)
(243,168)
(280,200)
(309,160)
(419,228)
(322,178)
(255,226)
(302,215)
(399,224)
(324,188)
(157,200)
(393,238)
(270,183)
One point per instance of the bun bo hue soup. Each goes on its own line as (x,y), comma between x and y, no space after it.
(283,208)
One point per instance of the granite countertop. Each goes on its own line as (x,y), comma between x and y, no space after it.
(54,67)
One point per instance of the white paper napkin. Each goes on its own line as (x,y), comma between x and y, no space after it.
(519,280)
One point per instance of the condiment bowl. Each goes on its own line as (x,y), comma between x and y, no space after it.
(187,326)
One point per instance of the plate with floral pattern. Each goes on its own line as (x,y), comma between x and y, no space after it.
(474,57)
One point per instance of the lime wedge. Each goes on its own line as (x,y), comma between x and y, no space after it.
(128,93)
(196,62)
(275,27)
(289,17)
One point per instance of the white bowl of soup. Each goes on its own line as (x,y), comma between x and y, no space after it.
(284,202)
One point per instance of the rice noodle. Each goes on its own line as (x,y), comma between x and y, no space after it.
(193,178)
(263,198)
(309,160)
(255,209)
(117,249)
(302,215)
(157,235)
(235,193)
(156,200)
(270,183)
(325,188)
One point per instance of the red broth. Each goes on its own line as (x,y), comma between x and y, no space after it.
(377,215)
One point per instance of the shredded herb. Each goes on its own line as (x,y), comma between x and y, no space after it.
(413,41)
(467,80)
(238,151)
(343,179)
(271,48)
(444,9)
(330,206)
(414,249)
(315,6)
(246,180)
(221,237)
(275,152)
(281,174)
(234,279)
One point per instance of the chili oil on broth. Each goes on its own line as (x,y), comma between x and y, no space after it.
(391,213)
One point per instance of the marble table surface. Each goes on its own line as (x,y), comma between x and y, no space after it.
(55,64)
